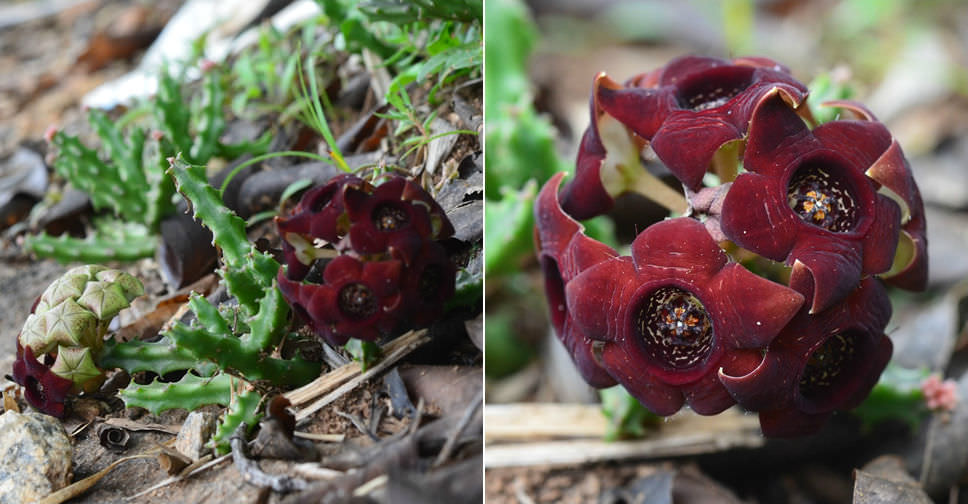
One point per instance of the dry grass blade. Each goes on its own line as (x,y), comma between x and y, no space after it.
(133,426)
(325,438)
(342,380)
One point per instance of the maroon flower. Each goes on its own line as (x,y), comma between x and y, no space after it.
(43,389)
(818,364)
(319,214)
(806,200)
(564,251)
(398,214)
(676,312)
(357,299)
(695,105)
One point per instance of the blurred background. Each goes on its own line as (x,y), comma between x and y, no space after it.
(906,60)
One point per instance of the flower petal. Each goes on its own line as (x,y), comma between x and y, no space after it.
(879,358)
(658,397)
(766,386)
(642,110)
(893,172)
(707,396)
(582,353)
(833,265)
(687,142)
(598,298)
(584,196)
(682,245)
(880,241)
(755,218)
(859,142)
(776,137)
(752,309)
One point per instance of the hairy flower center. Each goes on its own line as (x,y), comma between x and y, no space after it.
(357,301)
(826,364)
(675,327)
(389,218)
(821,199)
(713,88)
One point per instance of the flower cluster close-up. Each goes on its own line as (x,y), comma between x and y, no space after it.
(767,285)
(363,260)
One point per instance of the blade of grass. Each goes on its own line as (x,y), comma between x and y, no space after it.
(317,117)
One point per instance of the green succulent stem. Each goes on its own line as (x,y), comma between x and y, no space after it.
(226,351)
(191,392)
(244,409)
(161,356)
(128,242)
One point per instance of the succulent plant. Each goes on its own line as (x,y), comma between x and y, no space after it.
(362,261)
(769,291)
(66,329)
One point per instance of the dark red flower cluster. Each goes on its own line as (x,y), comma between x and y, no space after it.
(362,261)
(824,215)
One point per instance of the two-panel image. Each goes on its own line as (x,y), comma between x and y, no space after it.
(468,251)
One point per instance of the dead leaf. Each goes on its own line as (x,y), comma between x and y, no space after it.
(172,461)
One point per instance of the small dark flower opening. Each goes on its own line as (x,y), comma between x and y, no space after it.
(827,365)
(357,301)
(676,329)
(388,218)
(36,389)
(821,198)
(713,88)
(322,199)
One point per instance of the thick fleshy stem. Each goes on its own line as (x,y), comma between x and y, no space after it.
(191,392)
(248,273)
(160,356)
(215,341)
(126,242)
(244,409)
(117,185)
(175,120)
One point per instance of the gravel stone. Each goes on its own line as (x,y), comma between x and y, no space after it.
(35,457)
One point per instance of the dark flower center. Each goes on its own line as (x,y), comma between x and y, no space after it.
(827,364)
(822,199)
(357,301)
(389,218)
(33,384)
(713,88)
(675,327)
